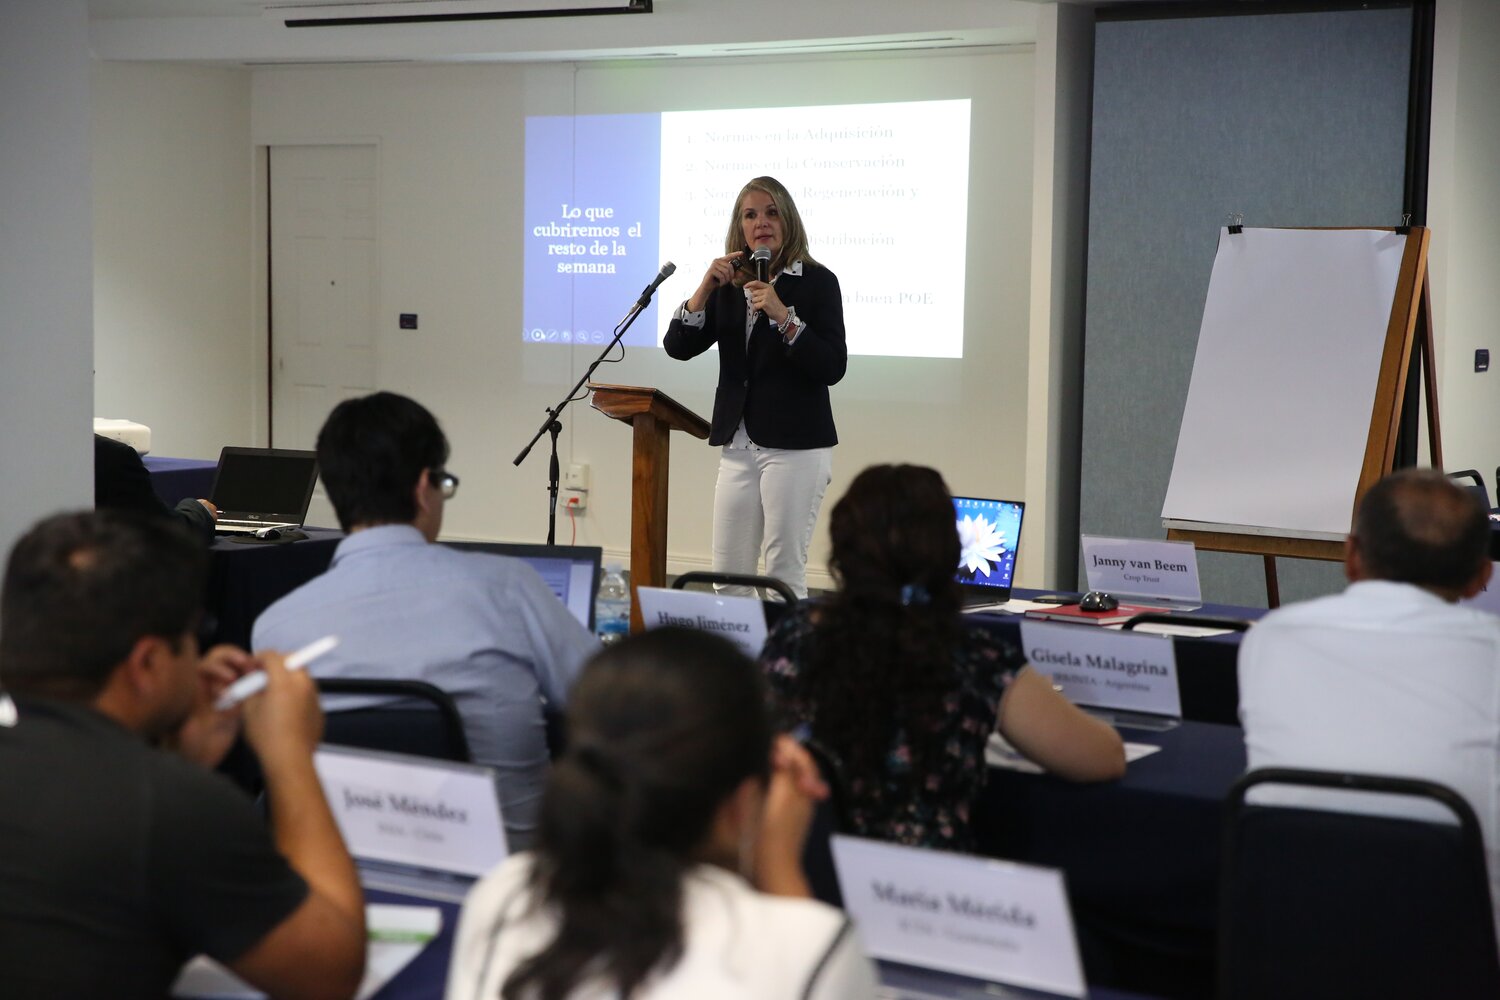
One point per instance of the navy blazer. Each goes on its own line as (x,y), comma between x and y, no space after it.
(780,391)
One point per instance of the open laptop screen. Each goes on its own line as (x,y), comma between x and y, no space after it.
(989,534)
(572,571)
(270,483)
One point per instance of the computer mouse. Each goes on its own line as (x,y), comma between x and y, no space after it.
(269,534)
(1098,600)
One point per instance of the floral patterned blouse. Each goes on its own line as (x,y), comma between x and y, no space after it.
(929,809)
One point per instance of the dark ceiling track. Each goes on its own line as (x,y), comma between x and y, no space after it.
(636,7)
(1166,9)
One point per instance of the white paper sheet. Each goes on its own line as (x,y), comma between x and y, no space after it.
(1278,411)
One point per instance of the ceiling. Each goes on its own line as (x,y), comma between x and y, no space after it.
(240,32)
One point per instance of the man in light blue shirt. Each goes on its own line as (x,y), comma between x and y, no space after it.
(483,628)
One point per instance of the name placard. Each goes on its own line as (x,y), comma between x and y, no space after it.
(1106,668)
(1143,569)
(429,814)
(741,620)
(994,920)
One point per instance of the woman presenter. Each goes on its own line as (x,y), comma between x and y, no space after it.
(778,318)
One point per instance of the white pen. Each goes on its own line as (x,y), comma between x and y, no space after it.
(252,683)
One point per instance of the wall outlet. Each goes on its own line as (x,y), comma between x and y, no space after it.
(576,477)
(575,500)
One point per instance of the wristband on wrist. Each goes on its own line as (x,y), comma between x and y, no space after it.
(790,326)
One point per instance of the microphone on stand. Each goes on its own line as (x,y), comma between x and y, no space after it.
(762,260)
(666,272)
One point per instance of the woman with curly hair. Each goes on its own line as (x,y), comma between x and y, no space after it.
(899,689)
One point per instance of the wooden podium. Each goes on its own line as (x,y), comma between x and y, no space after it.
(653,415)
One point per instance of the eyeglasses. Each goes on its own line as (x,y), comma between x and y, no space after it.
(445,481)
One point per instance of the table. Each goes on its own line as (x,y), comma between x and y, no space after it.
(426,977)
(176,479)
(245,576)
(1141,854)
(1206,677)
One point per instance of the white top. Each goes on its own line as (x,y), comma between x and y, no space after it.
(740,944)
(1385,678)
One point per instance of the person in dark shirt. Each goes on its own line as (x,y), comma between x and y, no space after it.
(121,854)
(899,689)
(121,482)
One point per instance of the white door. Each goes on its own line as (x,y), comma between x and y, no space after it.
(323,290)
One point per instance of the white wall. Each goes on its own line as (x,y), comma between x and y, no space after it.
(450,196)
(174,316)
(1464,212)
(45,285)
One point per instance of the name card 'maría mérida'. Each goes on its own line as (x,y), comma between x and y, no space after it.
(994,920)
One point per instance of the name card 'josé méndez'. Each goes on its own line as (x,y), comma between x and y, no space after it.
(1144,570)
(1104,668)
(741,620)
(994,920)
(409,811)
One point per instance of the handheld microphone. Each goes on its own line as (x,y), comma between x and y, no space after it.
(762,260)
(666,272)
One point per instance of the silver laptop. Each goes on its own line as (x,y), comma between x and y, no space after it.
(259,488)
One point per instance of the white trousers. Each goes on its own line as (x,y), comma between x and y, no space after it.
(771,495)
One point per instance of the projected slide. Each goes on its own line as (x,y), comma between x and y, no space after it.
(882,188)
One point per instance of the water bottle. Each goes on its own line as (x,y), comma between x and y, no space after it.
(612,606)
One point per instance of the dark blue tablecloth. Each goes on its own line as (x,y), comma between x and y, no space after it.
(1141,854)
(176,479)
(245,576)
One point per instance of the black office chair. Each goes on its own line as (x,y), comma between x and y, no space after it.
(1316,903)
(1475,484)
(422,720)
(773,609)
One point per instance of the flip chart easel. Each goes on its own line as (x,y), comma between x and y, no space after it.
(1234,395)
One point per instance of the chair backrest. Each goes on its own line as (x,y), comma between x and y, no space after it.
(1318,903)
(414,717)
(1475,484)
(773,609)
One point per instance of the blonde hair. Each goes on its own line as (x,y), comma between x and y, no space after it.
(794,237)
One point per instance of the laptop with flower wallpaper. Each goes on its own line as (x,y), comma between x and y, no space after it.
(989,536)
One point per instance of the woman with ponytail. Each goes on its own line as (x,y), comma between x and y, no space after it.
(900,691)
(667,859)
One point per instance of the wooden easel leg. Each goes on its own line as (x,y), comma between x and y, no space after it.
(1429,376)
(1273,589)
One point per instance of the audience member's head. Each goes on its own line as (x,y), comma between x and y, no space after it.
(668,734)
(894,540)
(85,592)
(379,457)
(1417,526)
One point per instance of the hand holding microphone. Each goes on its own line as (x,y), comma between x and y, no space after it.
(760,293)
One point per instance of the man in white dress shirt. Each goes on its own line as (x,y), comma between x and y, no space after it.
(1393,676)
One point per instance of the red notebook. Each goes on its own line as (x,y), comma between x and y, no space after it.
(1073,613)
